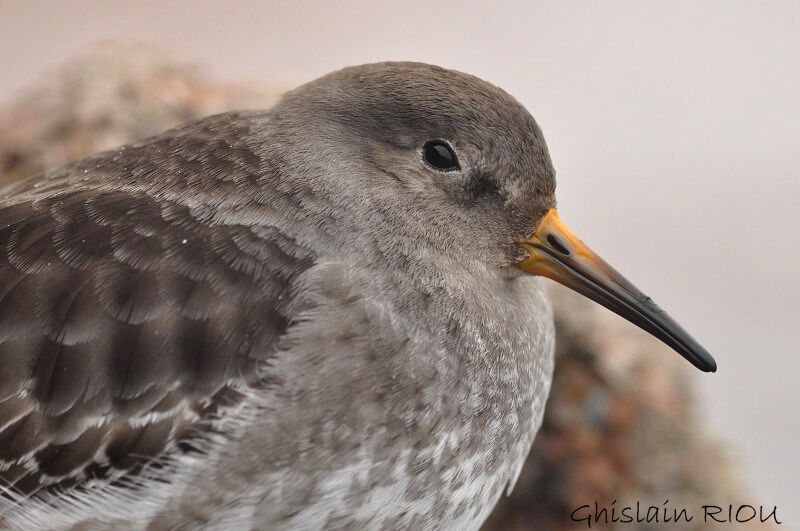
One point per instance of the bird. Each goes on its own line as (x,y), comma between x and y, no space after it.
(329,313)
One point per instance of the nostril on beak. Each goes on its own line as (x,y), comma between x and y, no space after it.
(555,242)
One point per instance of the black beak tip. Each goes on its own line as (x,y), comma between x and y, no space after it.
(709,367)
(705,362)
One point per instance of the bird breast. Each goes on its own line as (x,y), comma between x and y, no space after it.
(385,415)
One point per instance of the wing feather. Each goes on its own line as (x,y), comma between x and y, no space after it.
(126,321)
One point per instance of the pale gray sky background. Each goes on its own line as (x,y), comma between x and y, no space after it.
(674,127)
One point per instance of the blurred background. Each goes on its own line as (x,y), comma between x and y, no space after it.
(675,131)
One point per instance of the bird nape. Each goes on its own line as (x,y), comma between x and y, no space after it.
(324,314)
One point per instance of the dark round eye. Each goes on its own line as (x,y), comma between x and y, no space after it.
(440,156)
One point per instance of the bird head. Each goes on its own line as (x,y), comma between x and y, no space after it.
(468,165)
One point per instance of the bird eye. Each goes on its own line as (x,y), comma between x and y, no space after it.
(440,156)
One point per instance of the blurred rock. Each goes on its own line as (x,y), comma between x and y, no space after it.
(619,424)
(114,94)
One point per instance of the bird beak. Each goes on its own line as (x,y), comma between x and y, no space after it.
(557,254)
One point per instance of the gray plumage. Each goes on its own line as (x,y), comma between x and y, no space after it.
(280,318)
